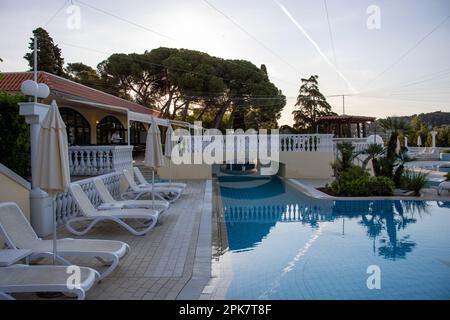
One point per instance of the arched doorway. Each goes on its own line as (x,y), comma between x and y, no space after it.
(78,128)
(106,127)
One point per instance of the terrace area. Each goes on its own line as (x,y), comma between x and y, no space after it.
(172,261)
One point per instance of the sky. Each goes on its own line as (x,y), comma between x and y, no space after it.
(397,65)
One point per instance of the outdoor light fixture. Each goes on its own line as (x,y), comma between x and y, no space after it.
(43,91)
(29,88)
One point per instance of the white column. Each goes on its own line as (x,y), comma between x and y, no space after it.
(433,139)
(128,127)
(41,204)
(34,113)
(406,142)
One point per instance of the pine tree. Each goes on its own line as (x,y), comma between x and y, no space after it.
(49,55)
(312,105)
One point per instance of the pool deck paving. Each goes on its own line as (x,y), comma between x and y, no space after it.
(172,261)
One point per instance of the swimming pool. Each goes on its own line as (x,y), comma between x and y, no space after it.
(284,245)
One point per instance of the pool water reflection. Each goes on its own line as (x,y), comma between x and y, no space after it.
(285,245)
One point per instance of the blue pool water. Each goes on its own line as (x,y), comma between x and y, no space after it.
(284,245)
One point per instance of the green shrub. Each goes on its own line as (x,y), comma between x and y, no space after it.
(381,186)
(414,181)
(14,135)
(445,151)
(447,176)
(355,182)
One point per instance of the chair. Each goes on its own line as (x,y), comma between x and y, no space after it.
(89,213)
(144,183)
(171,193)
(25,278)
(18,234)
(107,199)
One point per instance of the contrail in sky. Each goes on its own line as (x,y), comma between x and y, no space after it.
(288,14)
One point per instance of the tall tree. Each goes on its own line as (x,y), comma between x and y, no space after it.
(187,84)
(252,100)
(81,72)
(49,57)
(88,76)
(395,124)
(312,105)
(141,77)
(418,128)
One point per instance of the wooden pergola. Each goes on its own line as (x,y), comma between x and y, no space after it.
(341,126)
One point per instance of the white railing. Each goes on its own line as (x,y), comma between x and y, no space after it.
(65,205)
(250,143)
(276,213)
(97,160)
(306,142)
(360,144)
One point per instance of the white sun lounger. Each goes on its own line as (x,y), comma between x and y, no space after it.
(17,233)
(445,185)
(107,199)
(136,191)
(145,183)
(89,213)
(24,278)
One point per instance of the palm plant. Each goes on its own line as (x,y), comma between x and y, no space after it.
(414,181)
(344,159)
(373,152)
(401,159)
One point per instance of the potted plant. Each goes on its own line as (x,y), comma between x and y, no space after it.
(445,155)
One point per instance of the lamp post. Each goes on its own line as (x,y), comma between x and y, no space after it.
(34,112)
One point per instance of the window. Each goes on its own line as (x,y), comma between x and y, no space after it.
(78,129)
(107,127)
(138,134)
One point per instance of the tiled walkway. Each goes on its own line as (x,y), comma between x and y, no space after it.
(161,263)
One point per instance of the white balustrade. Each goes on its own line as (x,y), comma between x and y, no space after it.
(251,143)
(97,160)
(276,213)
(360,144)
(306,142)
(65,205)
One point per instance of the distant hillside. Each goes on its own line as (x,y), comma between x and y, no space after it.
(433,119)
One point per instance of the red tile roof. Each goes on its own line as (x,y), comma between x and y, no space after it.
(11,81)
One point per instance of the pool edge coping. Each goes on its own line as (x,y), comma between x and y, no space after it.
(314,193)
(201,269)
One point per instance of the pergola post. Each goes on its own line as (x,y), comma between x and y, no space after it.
(358,128)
